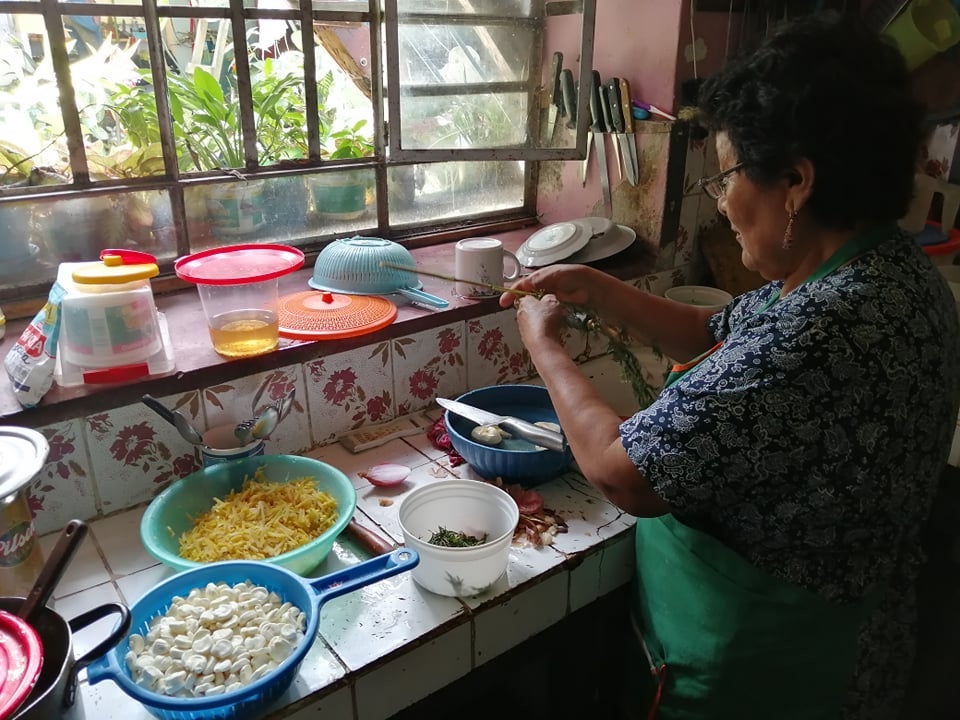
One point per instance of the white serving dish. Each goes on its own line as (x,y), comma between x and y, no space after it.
(606,239)
(553,243)
(472,507)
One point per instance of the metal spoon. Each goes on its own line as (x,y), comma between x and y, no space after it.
(187,431)
(176,418)
(268,420)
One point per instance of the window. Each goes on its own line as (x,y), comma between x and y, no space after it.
(176,125)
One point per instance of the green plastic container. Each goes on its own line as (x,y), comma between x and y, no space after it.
(170,514)
(924,29)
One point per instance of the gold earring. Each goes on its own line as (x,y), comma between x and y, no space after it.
(788,233)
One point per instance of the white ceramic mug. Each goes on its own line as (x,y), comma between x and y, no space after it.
(482,260)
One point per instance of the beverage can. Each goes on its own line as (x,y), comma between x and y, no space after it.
(23,453)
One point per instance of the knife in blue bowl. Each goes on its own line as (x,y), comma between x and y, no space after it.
(544,437)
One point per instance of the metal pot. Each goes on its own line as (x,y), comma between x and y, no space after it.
(55,694)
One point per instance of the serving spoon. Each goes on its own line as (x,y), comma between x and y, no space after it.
(176,418)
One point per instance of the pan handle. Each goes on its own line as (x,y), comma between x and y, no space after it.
(362,574)
(422,297)
(119,631)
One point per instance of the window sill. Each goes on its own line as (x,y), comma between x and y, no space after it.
(197,365)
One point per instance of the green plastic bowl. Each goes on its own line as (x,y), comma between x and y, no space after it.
(171,513)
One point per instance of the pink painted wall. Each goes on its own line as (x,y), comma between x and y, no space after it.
(637,40)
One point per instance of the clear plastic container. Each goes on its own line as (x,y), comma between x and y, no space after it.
(238,287)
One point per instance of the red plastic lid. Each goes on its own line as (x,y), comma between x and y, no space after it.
(948,246)
(21,656)
(237,264)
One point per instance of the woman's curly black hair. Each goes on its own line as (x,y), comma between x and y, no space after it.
(827,89)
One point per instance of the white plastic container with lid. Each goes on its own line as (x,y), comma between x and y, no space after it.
(108,316)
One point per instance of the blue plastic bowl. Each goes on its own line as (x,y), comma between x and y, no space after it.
(251,700)
(173,511)
(527,467)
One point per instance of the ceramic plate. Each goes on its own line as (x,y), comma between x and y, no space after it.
(617,240)
(553,243)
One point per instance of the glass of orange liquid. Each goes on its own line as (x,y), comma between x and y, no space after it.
(238,287)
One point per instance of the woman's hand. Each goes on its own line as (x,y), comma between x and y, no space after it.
(543,318)
(574,284)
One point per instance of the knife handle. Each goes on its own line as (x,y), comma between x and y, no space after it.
(626,106)
(605,108)
(371,541)
(569,96)
(596,110)
(616,110)
(556,97)
(549,439)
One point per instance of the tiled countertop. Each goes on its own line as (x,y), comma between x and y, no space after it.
(390,644)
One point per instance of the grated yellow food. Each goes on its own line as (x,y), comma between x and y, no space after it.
(261,520)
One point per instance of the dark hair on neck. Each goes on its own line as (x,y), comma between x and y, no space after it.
(827,89)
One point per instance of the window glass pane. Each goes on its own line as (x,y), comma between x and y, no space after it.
(287,209)
(433,54)
(20,259)
(77,229)
(508,8)
(432,192)
(464,121)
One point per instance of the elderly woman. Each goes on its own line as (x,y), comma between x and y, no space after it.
(782,476)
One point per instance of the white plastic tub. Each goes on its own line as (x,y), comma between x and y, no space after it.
(699,295)
(468,506)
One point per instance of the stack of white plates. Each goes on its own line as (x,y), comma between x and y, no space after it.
(577,241)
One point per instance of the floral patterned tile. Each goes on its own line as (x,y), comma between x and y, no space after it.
(64,488)
(659,283)
(939,151)
(349,390)
(229,403)
(135,455)
(429,364)
(495,352)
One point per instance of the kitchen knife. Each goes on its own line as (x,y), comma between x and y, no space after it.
(612,90)
(628,128)
(607,114)
(556,96)
(569,91)
(513,425)
(598,128)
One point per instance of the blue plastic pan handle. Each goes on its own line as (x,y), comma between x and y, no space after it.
(363,574)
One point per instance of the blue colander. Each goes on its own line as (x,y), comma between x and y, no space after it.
(251,700)
(352,266)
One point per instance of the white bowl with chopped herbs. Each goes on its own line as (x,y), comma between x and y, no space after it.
(462,530)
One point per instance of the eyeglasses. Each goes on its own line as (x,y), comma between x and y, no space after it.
(715,186)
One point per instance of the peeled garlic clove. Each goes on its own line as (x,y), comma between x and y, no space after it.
(487,434)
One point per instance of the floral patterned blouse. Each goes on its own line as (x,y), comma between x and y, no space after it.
(811,441)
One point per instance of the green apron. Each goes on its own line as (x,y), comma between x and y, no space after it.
(722,638)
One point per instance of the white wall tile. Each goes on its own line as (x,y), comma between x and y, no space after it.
(501,627)
(85,569)
(115,534)
(610,567)
(338,705)
(414,675)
